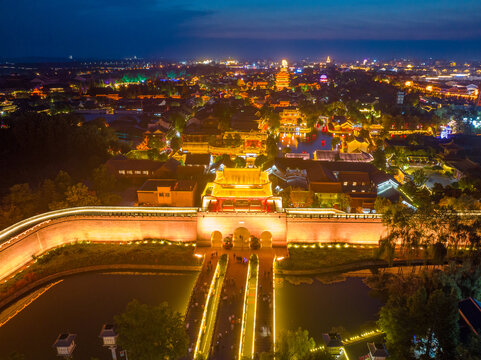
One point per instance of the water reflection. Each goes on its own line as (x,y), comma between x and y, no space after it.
(81,304)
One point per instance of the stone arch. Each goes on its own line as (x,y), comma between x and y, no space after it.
(266,239)
(216,239)
(241,237)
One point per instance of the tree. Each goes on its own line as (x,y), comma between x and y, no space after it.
(294,345)
(274,121)
(381,205)
(318,355)
(379,160)
(15,356)
(80,195)
(178,120)
(419,177)
(63,181)
(344,202)
(151,332)
(156,143)
(335,141)
(175,143)
(271,147)
(260,160)
(103,180)
(439,253)
(240,162)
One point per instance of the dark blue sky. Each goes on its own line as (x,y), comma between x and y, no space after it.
(248,28)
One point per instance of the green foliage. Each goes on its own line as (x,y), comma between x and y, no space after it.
(36,146)
(260,160)
(151,332)
(379,159)
(240,162)
(178,120)
(318,258)
(335,141)
(80,195)
(381,205)
(176,143)
(80,255)
(419,177)
(427,316)
(271,147)
(343,202)
(155,143)
(14,356)
(318,355)
(294,345)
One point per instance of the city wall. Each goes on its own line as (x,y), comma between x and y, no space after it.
(35,238)
(354,231)
(62,231)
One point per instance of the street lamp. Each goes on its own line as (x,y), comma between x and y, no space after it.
(65,345)
(109,339)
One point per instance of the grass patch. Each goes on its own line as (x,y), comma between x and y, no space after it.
(148,252)
(308,258)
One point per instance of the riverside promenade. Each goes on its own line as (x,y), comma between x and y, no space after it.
(195,309)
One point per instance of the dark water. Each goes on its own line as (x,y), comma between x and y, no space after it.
(81,304)
(319,307)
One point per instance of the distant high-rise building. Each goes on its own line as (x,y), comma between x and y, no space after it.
(478,102)
(400,97)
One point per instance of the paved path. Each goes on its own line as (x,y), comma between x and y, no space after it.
(198,297)
(264,326)
(229,316)
(226,339)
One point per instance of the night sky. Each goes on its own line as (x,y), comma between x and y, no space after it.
(180,29)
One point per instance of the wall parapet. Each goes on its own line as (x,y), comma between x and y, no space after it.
(39,220)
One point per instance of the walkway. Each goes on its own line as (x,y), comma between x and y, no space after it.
(195,309)
(228,327)
(264,325)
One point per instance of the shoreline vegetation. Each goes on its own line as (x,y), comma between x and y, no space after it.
(326,262)
(149,254)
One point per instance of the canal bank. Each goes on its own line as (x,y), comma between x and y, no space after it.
(82,303)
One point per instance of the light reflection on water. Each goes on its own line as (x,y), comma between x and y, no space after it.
(320,307)
(81,304)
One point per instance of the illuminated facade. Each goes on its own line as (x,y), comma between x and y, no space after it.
(282,77)
(240,190)
(293,121)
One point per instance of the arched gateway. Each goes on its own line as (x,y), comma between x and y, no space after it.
(241,237)
(216,239)
(266,239)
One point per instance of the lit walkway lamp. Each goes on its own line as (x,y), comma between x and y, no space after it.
(65,345)
(109,339)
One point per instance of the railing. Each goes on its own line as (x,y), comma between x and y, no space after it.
(209,316)
(93,211)
(248,331)
(327,214)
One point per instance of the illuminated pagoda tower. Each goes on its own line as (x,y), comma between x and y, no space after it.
(282,77)
(240,190)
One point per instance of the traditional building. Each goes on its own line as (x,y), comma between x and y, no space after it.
(377,351)
(282,79)
(165,192)
(293,121)
(356,144)
(339,126)
(240,190)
